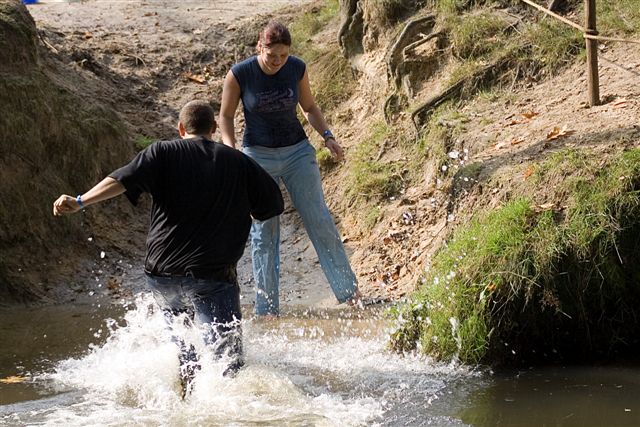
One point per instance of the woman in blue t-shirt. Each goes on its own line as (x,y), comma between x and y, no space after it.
(271,85)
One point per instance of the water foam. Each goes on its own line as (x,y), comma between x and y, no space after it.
(298,372)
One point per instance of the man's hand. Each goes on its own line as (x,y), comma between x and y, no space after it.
(334,148)
(65,205)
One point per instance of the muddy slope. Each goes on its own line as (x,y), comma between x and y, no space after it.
(56,135)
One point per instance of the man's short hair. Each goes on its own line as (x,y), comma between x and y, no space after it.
(197,117)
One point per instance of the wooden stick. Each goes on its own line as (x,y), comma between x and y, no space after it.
(610,39)
(555,15)
(592,52)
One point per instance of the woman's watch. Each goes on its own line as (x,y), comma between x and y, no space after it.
(327,135)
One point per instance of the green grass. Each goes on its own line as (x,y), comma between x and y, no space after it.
(519,278)
(445,125)
(618,17)
(480,37)
(370,178)
(324,159)
(475,35)
(332,80)
(551,44)
(304,27)
(143,141)
(372,217)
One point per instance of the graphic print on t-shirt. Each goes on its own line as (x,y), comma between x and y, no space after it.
(276,99)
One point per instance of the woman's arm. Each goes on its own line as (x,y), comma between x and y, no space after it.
(316,118)
(105,189)
(230,100)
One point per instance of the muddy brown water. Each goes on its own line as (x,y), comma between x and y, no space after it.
(106,364)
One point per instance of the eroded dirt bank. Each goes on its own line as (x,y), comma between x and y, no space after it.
(151,57)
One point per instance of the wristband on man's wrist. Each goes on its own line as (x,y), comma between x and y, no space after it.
(79,200)
(327,135)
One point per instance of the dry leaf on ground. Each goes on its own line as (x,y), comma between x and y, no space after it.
(195,77)
(500,145)
(619,103)
(528,172)
(557,132)
(516,122)
(526,118)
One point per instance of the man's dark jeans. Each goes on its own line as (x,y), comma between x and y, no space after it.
(214,306)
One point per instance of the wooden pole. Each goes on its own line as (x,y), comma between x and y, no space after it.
(592,52)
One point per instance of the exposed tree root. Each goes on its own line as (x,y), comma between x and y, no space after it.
(394,56)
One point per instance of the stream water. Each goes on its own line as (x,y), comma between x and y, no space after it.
(108,365)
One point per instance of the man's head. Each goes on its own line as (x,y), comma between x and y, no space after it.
(197,118)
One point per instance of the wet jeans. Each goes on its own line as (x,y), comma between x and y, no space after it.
(211,305)
(297,167)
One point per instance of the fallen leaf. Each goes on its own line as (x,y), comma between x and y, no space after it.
(529,172)
(195,77)
(619,103)
(517,141)
(13,380)
(529,115)
(557,132)
(516,122)
(546,206)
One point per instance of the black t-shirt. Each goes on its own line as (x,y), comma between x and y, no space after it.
(204,194)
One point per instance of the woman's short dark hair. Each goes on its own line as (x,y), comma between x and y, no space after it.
(198,118)
(275,33)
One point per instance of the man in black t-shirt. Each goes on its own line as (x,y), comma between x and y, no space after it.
(204,196)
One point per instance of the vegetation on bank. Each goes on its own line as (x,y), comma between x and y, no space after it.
(527,282)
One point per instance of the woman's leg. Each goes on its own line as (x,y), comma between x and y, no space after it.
(265,255)
(265,242)
(302,179)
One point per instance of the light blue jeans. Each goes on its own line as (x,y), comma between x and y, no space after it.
(297,167)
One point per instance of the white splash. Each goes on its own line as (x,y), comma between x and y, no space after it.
(320,372)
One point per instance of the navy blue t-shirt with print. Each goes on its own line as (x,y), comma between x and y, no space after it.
(270,103)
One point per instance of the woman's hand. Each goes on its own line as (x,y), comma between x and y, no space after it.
(334,148)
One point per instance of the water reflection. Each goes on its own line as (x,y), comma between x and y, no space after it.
(560,396)
(35,338)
